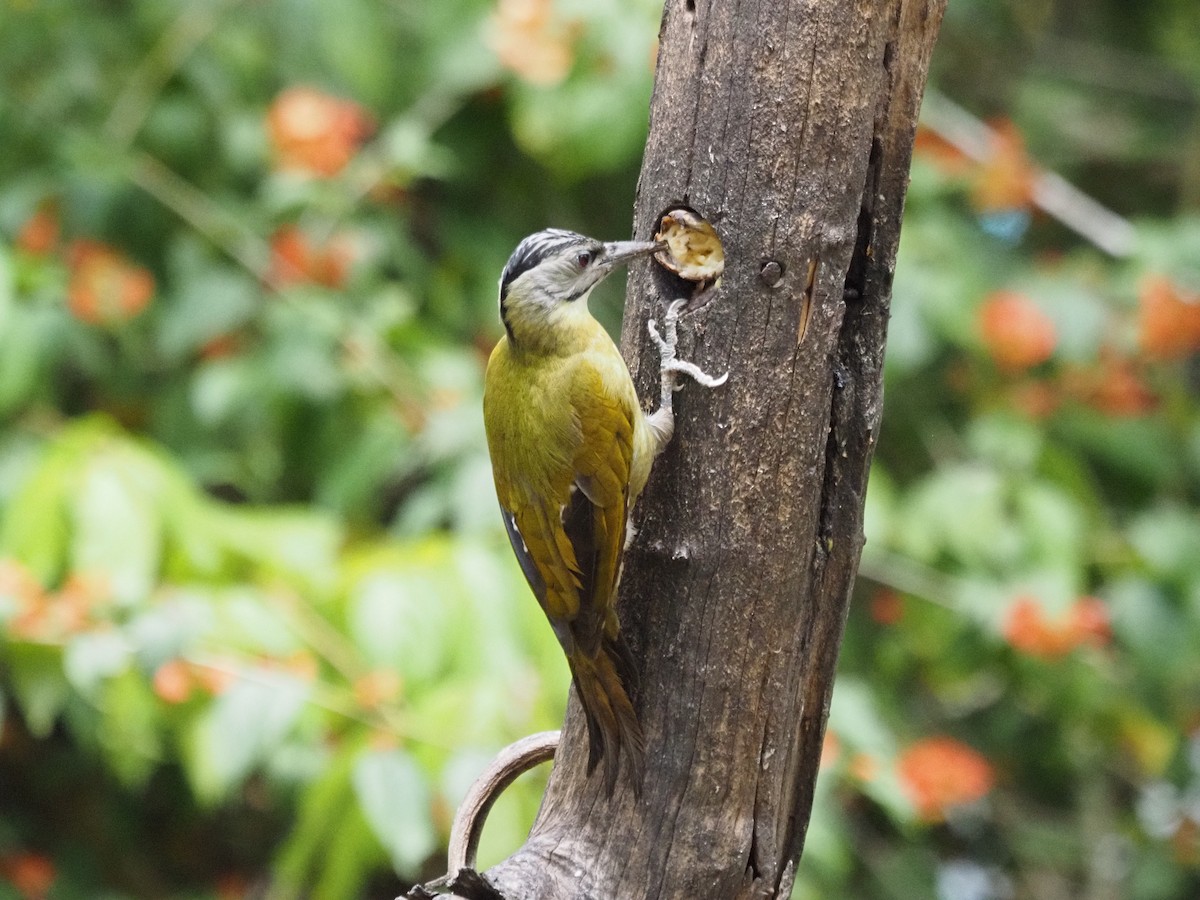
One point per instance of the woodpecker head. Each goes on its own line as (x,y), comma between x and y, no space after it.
(546,283)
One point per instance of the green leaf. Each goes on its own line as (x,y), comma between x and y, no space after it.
(35,528)
(355,47)
(221,389)
(172,626)
(129,728)
(401,609)
(38,684)
(243,725)
(1168,539)
(1006,441)
(395,798)
(116,528)
(853,714)
(879,512)
(959,513)
(856,719)
(6,289)
(1153,628)
(367,459)
(350,856)
(209,304)
(1133,454)
(324,804)
(245,619)
(26,338)
(92,657)
(297,544)
(1053,525)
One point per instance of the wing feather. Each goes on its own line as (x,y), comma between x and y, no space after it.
(566,524)
(601,465)
(563,481)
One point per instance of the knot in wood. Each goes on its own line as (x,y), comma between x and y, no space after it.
(771,273)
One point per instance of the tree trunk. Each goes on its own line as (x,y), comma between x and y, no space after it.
(789,124)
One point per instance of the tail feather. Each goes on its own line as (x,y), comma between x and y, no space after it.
(613,729)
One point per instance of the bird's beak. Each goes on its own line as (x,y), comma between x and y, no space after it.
(618,252)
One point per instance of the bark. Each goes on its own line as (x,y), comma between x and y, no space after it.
(789,124)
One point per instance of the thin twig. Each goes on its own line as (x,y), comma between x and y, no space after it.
(245,248)
(909,577)
(193,206)
(177,42)
(327,698)
(318,633)
(1052,193)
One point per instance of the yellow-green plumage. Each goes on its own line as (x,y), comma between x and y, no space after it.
(571,450)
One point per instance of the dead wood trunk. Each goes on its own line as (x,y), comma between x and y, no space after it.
(789,123)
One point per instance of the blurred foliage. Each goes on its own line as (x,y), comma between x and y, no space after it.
(260,627)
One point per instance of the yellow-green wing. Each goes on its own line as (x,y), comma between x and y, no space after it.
(562,476)
(566,520)
(594,521)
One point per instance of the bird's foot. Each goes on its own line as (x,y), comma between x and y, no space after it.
(670,367)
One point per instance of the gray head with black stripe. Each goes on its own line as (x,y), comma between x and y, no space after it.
(549,276)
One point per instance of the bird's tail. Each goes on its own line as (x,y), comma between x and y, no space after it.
(603,683)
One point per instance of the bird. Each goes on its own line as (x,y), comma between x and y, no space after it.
(571,450)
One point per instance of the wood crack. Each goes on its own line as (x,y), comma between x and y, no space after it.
(843,399)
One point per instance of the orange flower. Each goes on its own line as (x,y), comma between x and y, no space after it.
(17,582)
(531,43)
(32,621)
(40,233)
(232,886)
(946,156)
(50,616)
(1114,387)
(1168,319)
(1036,399)
(174,681)
(32,874)
(1004,181)
(1027,629)
(301,664)
(887,607)
(1185,843)
(214,677)
(82,600)
(863,767)
(383,740)
(376,688)
(294,259)
(314,132)
(939,773)
(221,347)
(831,748)
(1016,333)
(104,286)
(1089,621)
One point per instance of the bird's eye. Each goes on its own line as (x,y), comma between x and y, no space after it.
(584,259)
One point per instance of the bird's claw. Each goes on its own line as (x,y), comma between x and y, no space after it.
(666,345)
(695,372)
(674,308)
(659,342)
(669,365)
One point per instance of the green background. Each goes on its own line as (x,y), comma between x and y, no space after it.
(260,625)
